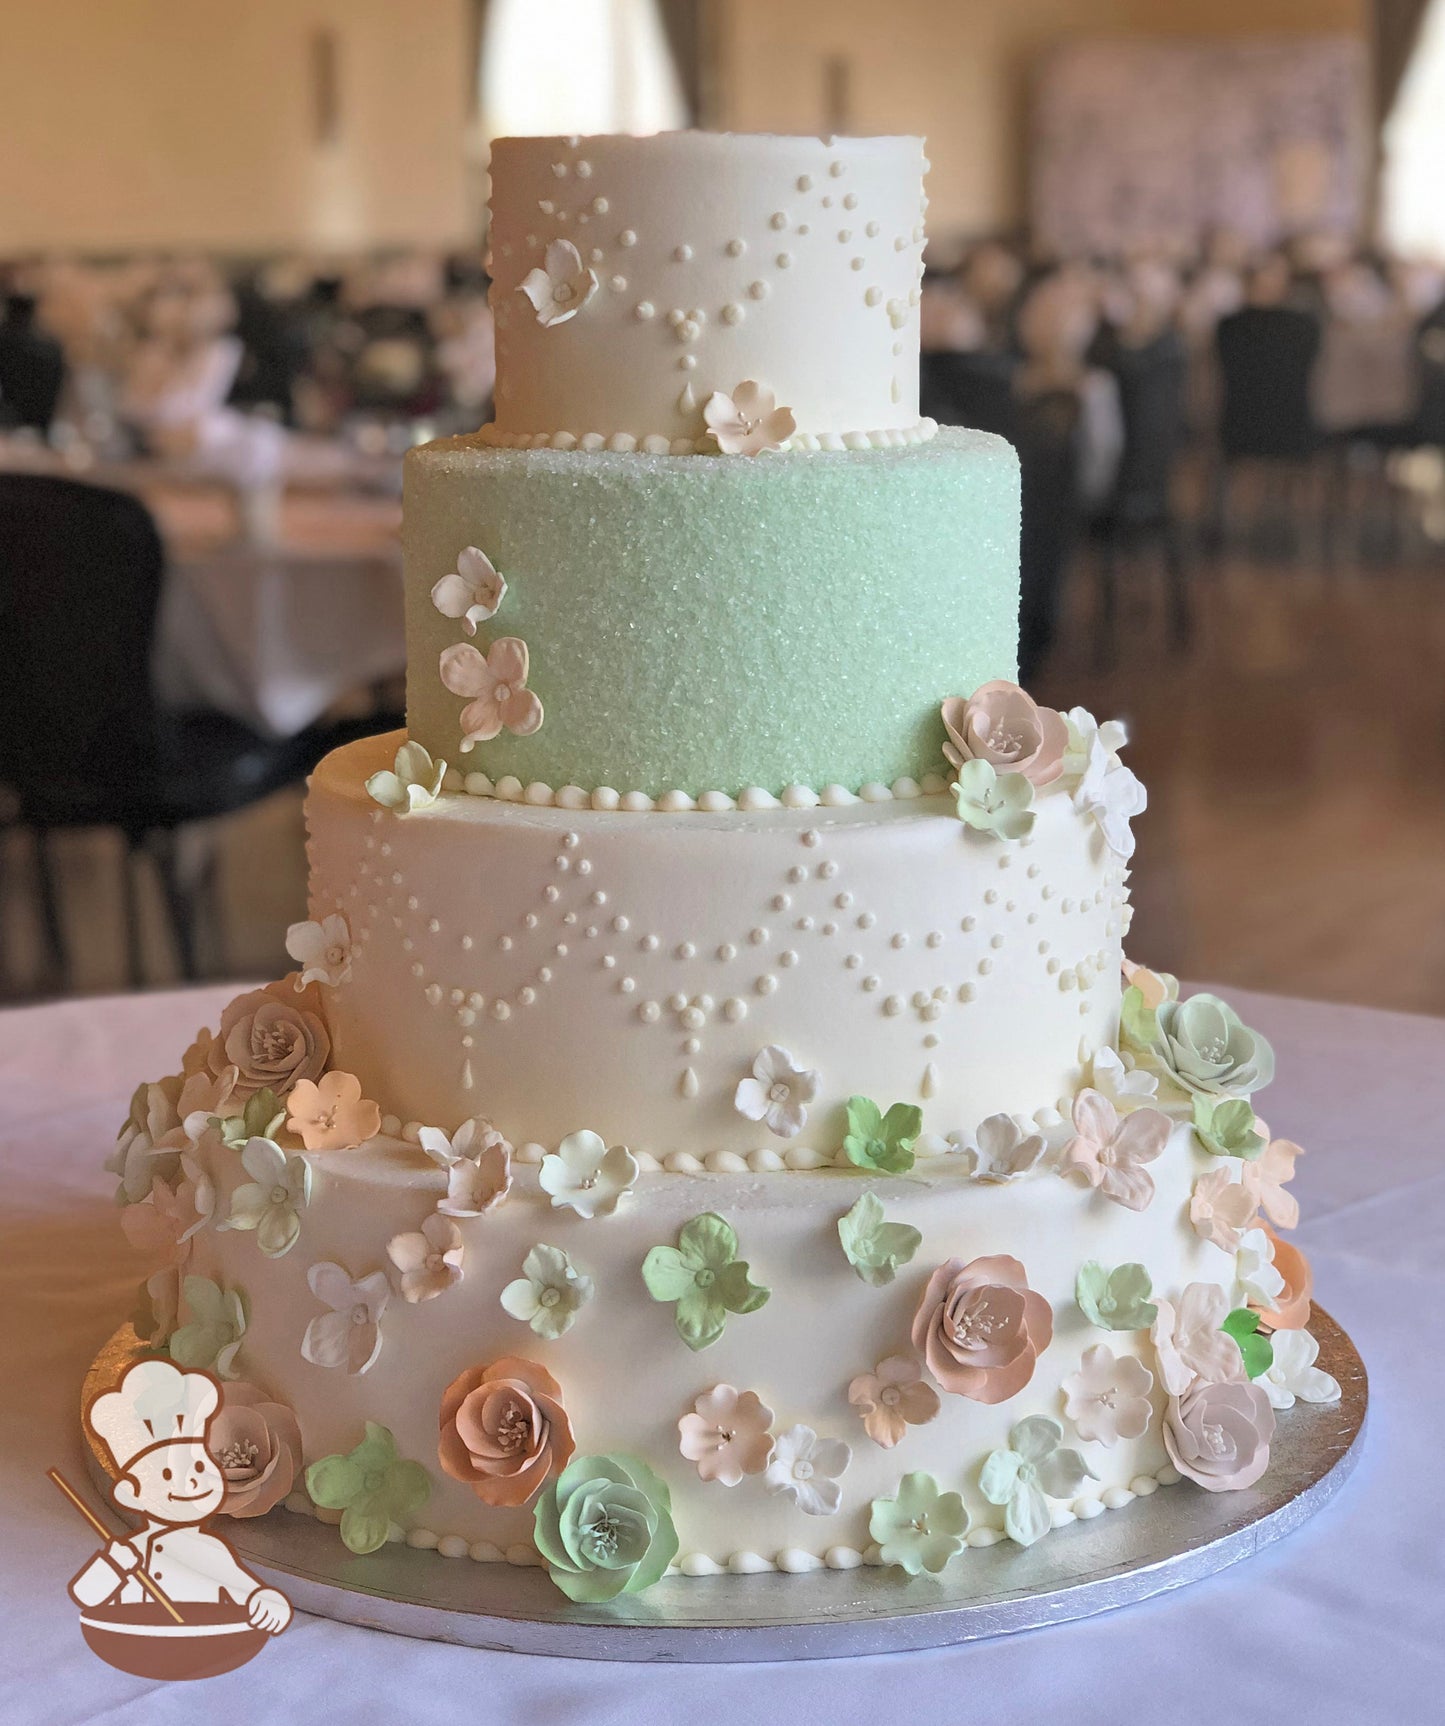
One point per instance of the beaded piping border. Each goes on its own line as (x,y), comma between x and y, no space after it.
(625,443)
(538,795)
(789,1561)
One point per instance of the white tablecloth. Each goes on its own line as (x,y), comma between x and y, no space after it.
(1339,1625)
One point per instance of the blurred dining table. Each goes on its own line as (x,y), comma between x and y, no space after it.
(1337,1624)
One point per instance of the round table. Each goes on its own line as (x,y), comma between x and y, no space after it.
(1338,1623)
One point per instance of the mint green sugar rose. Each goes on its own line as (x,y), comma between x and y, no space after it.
(1205,1047)
(605,1528)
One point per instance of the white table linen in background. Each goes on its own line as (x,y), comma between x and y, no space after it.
(1339,1625)
(274,638)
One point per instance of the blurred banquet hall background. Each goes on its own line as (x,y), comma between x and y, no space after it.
(1187,255)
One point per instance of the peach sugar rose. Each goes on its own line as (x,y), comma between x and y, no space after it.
(272,1037)
(1001,724)
(504,1430)
(981,1328)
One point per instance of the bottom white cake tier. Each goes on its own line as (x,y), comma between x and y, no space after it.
(625,1375)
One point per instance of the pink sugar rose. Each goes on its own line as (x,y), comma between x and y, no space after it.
(257,1444)
(1219,1434)
(271,1038)
(500,700)
(981,1328)
(1001,724)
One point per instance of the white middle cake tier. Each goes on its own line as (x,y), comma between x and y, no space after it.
(556,970)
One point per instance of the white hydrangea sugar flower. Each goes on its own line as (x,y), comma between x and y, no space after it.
(429,1260)
(473,591)
(1254,1270)
(478,1162)
(560,286)
(1084,731)
(806,1469)
(777,1093)
(1004,1147)
(1189,1344)
(471,1141)
(348,1337)
(271,1202)
(1293,1373)
(549,1293)
(586,1175)
(413,782)
(323,951)
(1125,1087)
(1113,795)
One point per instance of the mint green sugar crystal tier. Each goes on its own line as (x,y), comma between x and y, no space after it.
(698,623)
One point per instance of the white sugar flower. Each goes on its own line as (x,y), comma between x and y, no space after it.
(1108,1397)
(1254,1271)
(1294,1373)
(561,286)
(1112,794)
(1003,1148)
(1125,1087)
(322,950)
(806,1469)
(1023,1478)
(777,1093)
(549,1293)
(1084,729)
(414,782)
(474,591)
(583,1173)
(749,421)
(478,1162)
(349,1335)
(271,1202)
(430,1260)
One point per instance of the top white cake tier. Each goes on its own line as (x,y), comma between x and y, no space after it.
(672,267)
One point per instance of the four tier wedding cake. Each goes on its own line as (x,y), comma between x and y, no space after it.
(712,1126)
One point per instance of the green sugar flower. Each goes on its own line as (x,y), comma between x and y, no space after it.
(1228,1128)
(876,1248)
(549,1293)
(879,1141)
(262,1118)
(1256,1349)
(604,1528)
(1204,1046)
(372,1487)
(920,1529)
(211,1339)
(992,802)
(704,1275)
(1034,1469)
(271,1202)
(414,782)
(1117,1299)
(1138,1021)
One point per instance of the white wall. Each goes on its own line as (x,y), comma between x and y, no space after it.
(131,123)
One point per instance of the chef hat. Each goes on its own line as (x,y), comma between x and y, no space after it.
(154,1403)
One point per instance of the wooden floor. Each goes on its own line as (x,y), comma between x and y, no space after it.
(1295,760)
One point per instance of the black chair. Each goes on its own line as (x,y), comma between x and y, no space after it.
(1266,357)
(977,390)
(1153,386)
(32,368)
(87,745)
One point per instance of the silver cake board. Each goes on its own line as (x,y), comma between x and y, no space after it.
(1178,1535)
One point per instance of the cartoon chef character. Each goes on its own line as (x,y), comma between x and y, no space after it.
(154,1425)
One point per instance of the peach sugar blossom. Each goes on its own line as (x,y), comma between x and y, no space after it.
(1001,724)
(504,1430)
(727,1434)
(1222,1208)
(892,1398)
(1110,1154)
(332,1115)
(1269,1175)
(981,1328)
